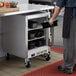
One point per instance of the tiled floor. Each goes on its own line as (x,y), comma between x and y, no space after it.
(15,66)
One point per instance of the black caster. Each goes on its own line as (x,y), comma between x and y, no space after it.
(27,64)
(7,56)
(47,57)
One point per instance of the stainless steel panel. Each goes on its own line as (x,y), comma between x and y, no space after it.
(13,36)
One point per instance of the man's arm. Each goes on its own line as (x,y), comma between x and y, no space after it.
(55,14)
(59,5)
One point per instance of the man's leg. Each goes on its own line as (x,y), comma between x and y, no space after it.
(69,49)
(68,53)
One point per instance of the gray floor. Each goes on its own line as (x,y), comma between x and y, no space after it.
(58,32)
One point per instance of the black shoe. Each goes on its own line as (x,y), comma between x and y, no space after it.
(75,65)
(65,70)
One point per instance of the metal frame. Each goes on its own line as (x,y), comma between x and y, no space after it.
(43,49)
(15,36)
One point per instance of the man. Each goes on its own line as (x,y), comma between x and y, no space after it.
(69,33)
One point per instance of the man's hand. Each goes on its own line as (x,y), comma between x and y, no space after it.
(51,21)
(55,14)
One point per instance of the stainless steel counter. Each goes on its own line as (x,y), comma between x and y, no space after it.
(28,8)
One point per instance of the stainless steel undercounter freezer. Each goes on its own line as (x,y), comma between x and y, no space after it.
(24,36)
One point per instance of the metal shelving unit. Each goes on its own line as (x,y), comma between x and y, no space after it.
(42,49)
(15,39)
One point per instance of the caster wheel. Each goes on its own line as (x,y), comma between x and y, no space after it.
(47,57)
(7,56)
(28,64)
